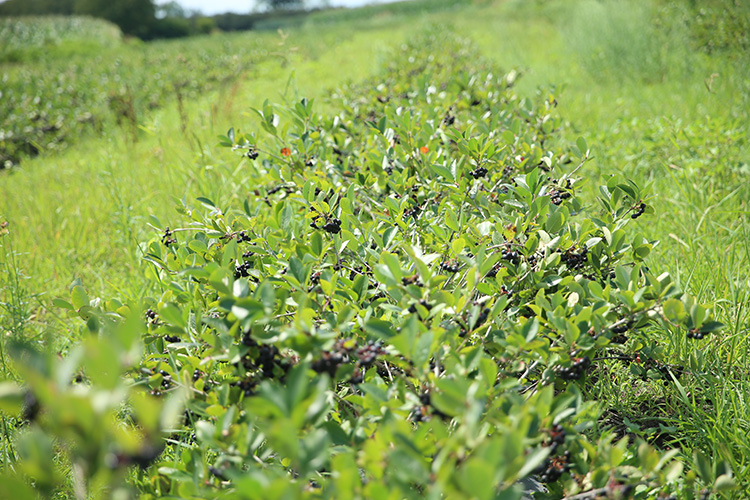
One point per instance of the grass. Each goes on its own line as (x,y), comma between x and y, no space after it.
(650,107)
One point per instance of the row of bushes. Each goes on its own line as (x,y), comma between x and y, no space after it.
(412,301)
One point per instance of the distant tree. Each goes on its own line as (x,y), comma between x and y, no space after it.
(134,17)
(171,9)
(36,7)
(281,4)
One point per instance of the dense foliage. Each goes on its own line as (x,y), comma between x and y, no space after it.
(77,90)
(413,301)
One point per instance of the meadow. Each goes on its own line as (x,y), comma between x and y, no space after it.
(122,140)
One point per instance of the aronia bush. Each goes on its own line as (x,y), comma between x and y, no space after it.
(413,301)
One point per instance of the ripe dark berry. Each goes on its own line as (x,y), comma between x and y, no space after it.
(242,270)
(358,376)
(412,212)
(639,209)
(482,317)
(167,238)
(329,362)
(511,256)
(576,369)
(411,280)
(315,278)
(252,153)
(217,473)
(478,173)
(695,333)
(557,196)
(450,266)
(423,303)
(152,317)
(31,407)
(420,414)
(575,260)
(332,226)
(368,353)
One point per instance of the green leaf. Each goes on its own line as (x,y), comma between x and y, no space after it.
(63,304)
(674,310)
(79,297)
(172,314)
(725,482)
(476,479)
(206,202)
(705,471)
(582,146)
(11,398)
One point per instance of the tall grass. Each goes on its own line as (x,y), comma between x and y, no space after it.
(616,42)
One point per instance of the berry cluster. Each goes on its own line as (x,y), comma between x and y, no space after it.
(152,317)
(448,119)
(252,153)
(243,270)
(167,238)
(242,236)
(575,260)
(575,370)
(553,468)
(31,407)
(695,333)
(421,413)
(639,209)
(411,280)
(166,380)
(171,338)
(423,303)
(557,196)
(479,172)
(267,355)
(412,212)
(368,353)
(342,353)
(332,226)
(622,327)
(425,410)
(142,458)
(511,255)
(505,291)
(483,315)
(556,438)
(330,361)
(450,266)
(246,385)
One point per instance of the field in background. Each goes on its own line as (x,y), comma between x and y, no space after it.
(656,108)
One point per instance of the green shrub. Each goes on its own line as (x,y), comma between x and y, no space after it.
(413,301)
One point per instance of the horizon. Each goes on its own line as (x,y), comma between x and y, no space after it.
(213,7)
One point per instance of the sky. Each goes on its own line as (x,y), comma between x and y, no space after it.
(210,7)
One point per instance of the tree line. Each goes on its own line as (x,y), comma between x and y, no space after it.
(143,18)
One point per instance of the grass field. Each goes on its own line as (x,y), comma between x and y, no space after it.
(650,105)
